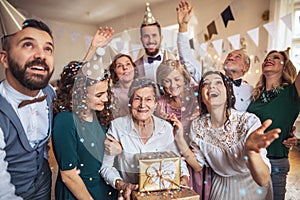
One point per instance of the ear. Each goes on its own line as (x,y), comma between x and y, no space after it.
(3,59)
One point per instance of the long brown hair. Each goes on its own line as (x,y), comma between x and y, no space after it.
(289,74)
(72,93)
(230,101)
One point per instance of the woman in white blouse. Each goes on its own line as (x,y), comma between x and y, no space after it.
(231,142)
(138,132)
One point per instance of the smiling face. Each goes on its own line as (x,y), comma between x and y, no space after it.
(174,83)
(273,64)
(143,103)
(124,69)
(97,95)
(30,60)
(235,64)
(151,39)
(214,91)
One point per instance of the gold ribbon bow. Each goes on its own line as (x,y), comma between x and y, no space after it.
(163,174)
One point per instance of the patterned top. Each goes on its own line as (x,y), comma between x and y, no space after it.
(222,148)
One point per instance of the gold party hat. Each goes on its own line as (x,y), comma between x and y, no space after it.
(168,56)
(148,17)
(10,18)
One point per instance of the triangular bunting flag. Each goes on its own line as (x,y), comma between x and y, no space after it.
(235,41)
(270,27)
(218,46)
(227,15)
(212,29)
(253,33)
(201,50)
(288,21)
(204,46)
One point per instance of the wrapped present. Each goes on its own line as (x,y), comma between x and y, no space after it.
(158,171)
(181,193)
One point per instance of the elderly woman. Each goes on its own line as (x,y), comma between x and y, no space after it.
(123,71)
(178,94)
(138,132)
(230,141)
(276,97)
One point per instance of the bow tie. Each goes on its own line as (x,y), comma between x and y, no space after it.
(151,59)
(26,102)
(236,82)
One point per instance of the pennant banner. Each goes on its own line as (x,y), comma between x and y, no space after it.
(235,41)
(212,29)
(227,15)
(288,21)
(270,27)
(218,46)
(253,33)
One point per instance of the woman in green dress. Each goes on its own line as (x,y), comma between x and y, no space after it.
(79,133)
(277,97)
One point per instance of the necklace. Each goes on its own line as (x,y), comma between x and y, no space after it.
(267,96)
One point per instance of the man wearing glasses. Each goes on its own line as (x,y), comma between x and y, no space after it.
(25,111)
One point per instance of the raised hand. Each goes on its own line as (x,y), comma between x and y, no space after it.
(258,139)
(102,37)
(178,128)
(184,10)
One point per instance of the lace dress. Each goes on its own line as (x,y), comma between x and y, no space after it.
(222,149)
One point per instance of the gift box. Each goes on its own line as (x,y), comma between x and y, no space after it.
(158,171)
(181,193)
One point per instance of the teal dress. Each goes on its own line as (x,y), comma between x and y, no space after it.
(80,144)
(283,110)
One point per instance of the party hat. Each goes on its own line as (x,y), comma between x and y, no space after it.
(10,18)
(168,56)
(148,17)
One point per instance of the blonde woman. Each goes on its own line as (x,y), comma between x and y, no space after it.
(276,97)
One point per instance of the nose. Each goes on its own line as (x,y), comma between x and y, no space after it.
(230,58)
(39,53)
(142,103)
(105,97)
(125,67)
(173,84)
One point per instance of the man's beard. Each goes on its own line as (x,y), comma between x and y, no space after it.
(152,53)
(30,81)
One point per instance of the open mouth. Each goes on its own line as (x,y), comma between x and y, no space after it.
(213,94)
(39,68)
(268,64)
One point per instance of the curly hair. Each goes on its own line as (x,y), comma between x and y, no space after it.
(230,98)
(72,93)
(113,66)
(289,74)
